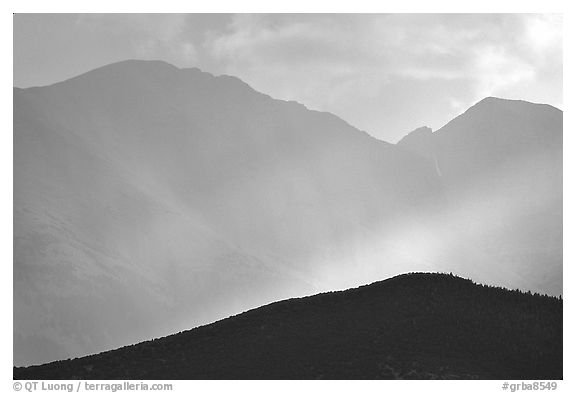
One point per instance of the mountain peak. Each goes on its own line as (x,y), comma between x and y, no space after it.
(420,132)
(126,75)
(141,63)
(491,102)
(121,69)
(492,99)
(418,141)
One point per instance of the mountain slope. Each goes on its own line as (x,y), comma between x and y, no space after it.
(411,326)
(501,166)
(165,198)
(149,198)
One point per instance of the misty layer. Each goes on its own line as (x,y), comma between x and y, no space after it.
(150,199)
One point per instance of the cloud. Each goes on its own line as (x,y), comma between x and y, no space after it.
(543,32)
(155,36)
(163,27)
(349,64)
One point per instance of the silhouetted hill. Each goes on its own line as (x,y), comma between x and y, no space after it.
(410,326)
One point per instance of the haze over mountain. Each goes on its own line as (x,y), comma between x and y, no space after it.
(413,326)
(500,163)
(149,199)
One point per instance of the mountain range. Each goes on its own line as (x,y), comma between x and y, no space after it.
(149,199)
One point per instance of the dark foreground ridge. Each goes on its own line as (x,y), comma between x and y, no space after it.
(413,326)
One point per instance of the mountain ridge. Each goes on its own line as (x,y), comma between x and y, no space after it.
(163,66)
(359,333)
(120,177)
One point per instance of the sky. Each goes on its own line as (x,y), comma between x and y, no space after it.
(385,74)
